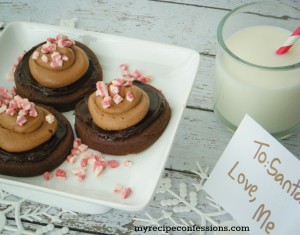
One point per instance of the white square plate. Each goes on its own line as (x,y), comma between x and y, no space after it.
(173,70)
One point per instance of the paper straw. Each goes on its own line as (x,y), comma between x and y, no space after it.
(289,42)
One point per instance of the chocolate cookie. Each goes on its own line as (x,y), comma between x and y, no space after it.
(130,140)
(61,98)
(42,158)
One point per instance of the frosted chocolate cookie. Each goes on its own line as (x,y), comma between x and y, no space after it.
(122,117)
(33,138)
(57,73)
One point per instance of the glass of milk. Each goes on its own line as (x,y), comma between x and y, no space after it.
(250,77)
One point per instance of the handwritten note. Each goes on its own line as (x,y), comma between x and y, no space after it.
(257,181)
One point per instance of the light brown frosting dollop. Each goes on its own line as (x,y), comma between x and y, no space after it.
(15,138)
(119,116)
(72,69)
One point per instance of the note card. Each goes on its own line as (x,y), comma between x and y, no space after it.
(257,181)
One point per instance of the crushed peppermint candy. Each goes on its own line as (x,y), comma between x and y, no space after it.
(10,74)
(55,56)
(76,142)
(106,102)
(50,118)
(44,58)
(125,192)
(113,163)
(82,147)
(72,158)
(75,151)
(123,67)
(89,161)
(47,175)
(35,55)
(128,84)
(3,108)
(5,97)
(117,99)
(50,47)
(79,173)
(115,89)
(84,162)
(118,82)
(64,57)
(98,170)
(63,41)
(61,174)
(13,104)
(21,120)
(115,86)
(56,64)
(101,89)
(97,166)
(57,61)
(129,96)
(136,75)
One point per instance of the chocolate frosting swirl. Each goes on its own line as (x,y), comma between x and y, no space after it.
(72,70)
(119,116)
(24,77)
(157,105)
(38,153)
(16,138)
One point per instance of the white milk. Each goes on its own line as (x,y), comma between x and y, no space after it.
(271,97)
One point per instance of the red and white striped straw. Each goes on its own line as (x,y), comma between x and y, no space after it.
(289,42)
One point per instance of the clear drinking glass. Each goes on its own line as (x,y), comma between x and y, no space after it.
(250,77)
